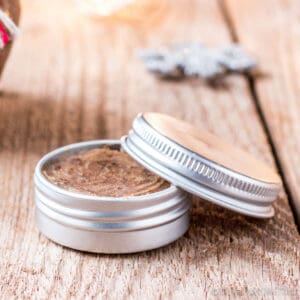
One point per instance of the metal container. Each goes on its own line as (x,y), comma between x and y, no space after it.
(203,164)
(107,224)
(190,158)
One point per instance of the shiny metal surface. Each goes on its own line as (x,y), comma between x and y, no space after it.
(106,224)
(198,174)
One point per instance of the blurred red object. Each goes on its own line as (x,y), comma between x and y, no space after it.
(13,9)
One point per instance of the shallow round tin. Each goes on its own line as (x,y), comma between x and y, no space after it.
(202,164)
(107,224)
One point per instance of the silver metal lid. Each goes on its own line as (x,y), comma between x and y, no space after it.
(202,164)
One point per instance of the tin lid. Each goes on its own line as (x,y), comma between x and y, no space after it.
(202,164)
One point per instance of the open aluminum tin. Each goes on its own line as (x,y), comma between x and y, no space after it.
(107,224)
(202,164)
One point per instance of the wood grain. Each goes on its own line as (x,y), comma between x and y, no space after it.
(275,39)
(71,78)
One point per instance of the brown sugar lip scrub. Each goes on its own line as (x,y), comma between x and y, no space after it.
(103,172)
(91,196)
(94,197)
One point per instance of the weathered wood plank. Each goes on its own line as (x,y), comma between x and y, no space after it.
(275,38)
(72,79)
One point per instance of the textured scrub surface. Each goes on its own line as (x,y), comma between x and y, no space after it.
(103,172)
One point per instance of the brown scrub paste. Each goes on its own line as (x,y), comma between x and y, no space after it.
(103,172)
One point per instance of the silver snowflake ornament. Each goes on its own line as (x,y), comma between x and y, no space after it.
(195,59)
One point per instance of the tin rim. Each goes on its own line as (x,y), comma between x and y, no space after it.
(39,177)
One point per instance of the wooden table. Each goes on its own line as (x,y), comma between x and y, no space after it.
(71,78)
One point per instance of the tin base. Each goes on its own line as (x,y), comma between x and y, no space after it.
(107,224)
(112,242)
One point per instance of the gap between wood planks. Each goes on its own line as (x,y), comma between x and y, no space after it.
(252,89)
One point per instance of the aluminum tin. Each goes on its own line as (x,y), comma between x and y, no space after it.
(107,224)
(198,175)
